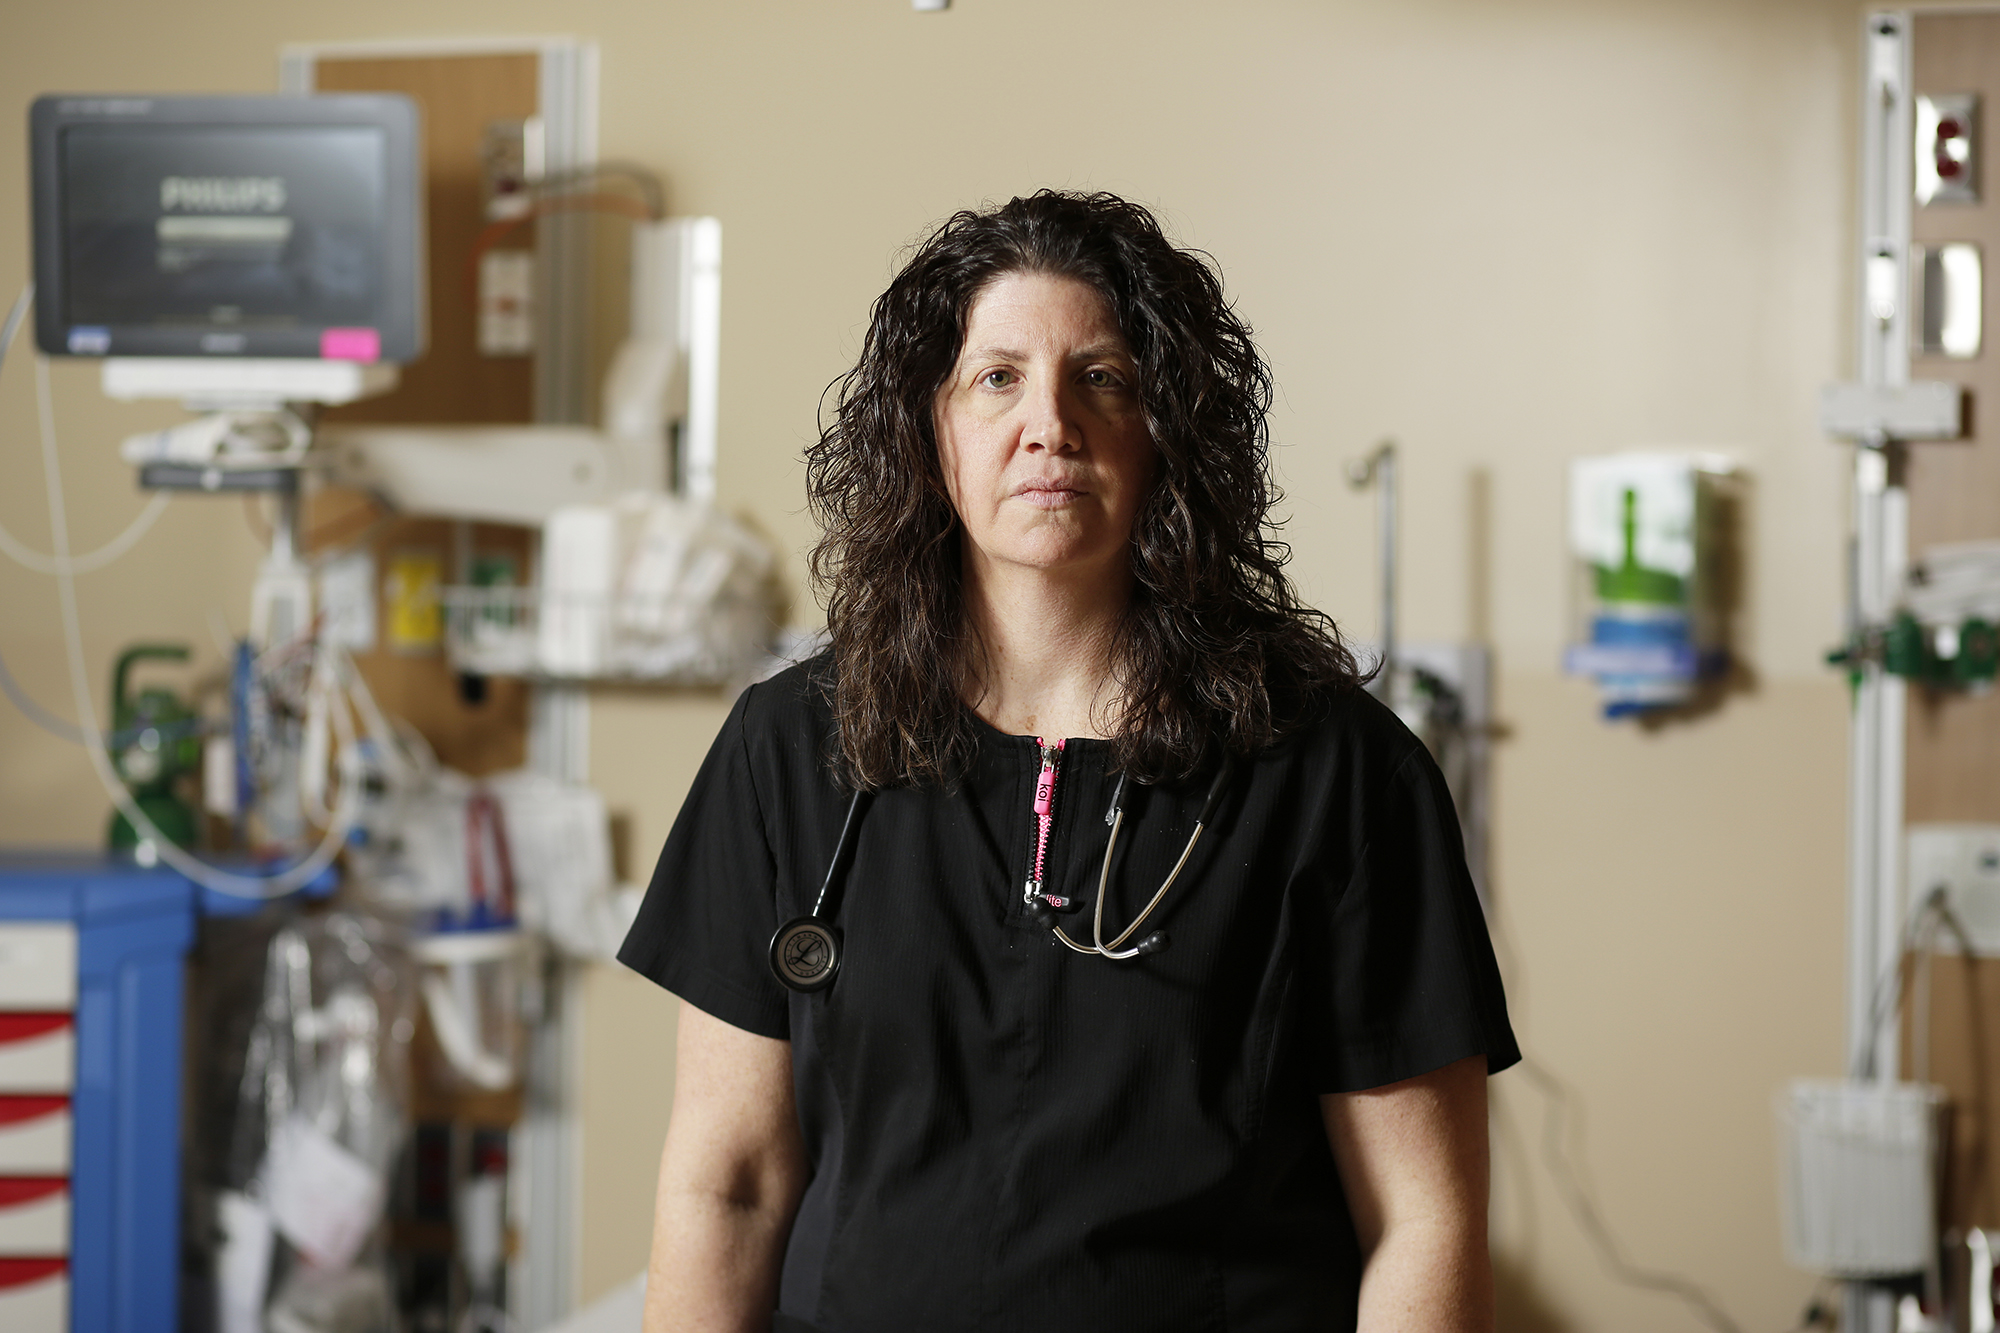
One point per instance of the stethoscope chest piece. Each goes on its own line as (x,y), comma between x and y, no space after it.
(805,954)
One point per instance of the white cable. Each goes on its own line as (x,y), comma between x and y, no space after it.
(12,546)
(317,737)
(1557,1153)
(209,877)
(407,760)
(219,635)
(15,315)
(1887,997)
(328,670)
(98,559)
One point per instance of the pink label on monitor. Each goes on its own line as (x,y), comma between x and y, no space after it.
(350,345)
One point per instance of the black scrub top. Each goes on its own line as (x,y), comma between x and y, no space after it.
(1007,1135)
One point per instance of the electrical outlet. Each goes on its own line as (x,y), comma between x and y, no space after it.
(511,161)
(1947,159)
(507,303)
(1964,860)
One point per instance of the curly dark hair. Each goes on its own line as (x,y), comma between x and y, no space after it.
(1215,648)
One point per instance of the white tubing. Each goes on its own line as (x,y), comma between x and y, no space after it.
(11,546)
(210,877)
(455,1032)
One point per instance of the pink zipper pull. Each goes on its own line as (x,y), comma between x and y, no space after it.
(1045,785)
(1045,797)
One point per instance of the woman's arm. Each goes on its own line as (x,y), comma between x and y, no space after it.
(1413,1160)
(730,1180)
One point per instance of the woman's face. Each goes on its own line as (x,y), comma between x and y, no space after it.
(1040,436)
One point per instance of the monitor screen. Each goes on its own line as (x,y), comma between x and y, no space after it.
(258,226)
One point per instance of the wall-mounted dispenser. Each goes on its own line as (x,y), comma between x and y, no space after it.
(1644,536)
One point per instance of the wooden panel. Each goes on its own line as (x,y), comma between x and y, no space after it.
(460,97)
(1953,754)
(1954,749)
(1964,1054)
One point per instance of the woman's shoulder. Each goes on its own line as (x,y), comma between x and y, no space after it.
(1351,729)
(1362,768)
(790,705)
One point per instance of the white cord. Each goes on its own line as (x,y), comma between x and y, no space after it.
(1887,997)
(12,546)
(1558,1128)
(209,877)
(98,559)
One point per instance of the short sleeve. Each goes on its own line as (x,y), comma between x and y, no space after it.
(704,929)
(1404,979)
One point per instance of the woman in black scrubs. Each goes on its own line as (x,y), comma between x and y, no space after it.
(939,1065)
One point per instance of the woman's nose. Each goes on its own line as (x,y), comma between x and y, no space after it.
(1050,421)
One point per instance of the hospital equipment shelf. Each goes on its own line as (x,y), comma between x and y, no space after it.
(91,957)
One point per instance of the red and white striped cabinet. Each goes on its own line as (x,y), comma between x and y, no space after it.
(38,988)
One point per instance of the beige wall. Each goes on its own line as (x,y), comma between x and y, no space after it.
(1507,234)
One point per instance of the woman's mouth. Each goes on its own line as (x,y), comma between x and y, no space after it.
(1047,496)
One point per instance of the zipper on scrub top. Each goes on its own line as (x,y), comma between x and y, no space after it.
(1045,802)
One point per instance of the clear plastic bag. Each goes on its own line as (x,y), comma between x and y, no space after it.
(410,859)
(322,1112)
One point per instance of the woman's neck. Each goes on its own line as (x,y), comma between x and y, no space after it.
(1046,638)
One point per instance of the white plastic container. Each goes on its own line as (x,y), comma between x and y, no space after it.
(472,990)
(580,551)
(1861,1176)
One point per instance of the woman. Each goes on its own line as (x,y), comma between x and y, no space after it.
(1064,657)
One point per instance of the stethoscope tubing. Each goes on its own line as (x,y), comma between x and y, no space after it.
(843,851)
(1115,816)
(805,952)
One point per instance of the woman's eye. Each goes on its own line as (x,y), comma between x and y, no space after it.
(997,379)
(1101,379)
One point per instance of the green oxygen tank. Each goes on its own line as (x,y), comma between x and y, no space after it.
(155,740)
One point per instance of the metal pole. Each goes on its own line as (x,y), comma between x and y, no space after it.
(1379,469)
(1875,812)
(1385,486)
(1881,534)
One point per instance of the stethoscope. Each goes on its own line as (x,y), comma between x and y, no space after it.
(806,951)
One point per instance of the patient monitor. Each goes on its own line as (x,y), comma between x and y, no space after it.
(254,257)
(230,251)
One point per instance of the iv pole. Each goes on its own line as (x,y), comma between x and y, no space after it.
(1881,539)
(1879,414)
(1379,469)
(1880,547)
